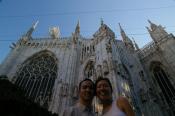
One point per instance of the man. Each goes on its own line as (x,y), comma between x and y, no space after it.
(83,106)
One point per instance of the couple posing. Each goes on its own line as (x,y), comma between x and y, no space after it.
(103,91)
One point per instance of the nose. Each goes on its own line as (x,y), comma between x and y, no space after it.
(88,89)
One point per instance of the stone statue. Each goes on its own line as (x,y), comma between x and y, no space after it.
(105,68)
(99,71)
(142,96)
(64,90)
(75,92)
(108,48)
(54,32)
(152,94)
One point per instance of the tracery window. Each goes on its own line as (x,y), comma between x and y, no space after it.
(165,84)
(37,76)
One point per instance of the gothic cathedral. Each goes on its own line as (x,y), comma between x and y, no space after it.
(50,69)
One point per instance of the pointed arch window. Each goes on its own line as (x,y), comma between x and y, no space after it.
(164,83)
(36,77)
(128,88)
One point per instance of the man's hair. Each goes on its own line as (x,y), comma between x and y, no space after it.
(105,79)
(86,79)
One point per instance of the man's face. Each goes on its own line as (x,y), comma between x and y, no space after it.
(86,91)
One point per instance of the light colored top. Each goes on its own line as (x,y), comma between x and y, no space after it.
(79,110)
(114,111)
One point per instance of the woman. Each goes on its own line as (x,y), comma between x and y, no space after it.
(118,107)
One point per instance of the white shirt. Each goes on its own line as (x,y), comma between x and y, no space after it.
(114,111)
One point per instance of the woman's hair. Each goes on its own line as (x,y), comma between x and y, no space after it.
(105,79)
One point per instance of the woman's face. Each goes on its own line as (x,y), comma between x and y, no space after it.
(103,91)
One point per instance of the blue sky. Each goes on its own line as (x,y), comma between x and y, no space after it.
(17,16)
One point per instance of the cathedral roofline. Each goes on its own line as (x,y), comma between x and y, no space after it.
(104,30)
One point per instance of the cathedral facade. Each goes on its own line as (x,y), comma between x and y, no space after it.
(50,69)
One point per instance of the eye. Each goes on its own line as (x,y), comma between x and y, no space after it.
(103,85)
(85,87)
(100,86)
